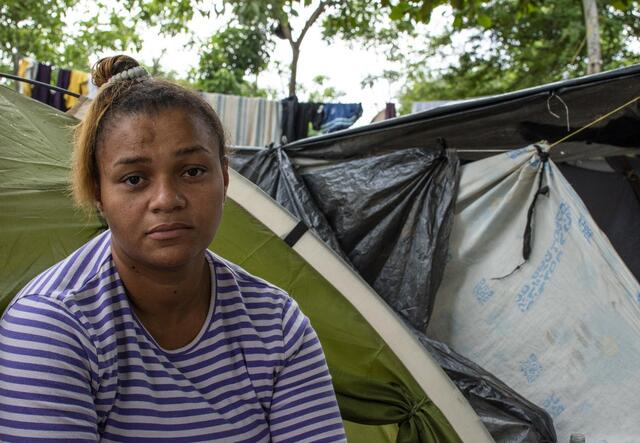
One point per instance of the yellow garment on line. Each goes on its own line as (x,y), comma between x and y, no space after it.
(25,68)
(78,83)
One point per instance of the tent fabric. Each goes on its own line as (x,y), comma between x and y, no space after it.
(562,328)
(310,193)
(39,226)
(372,386)
(419,421)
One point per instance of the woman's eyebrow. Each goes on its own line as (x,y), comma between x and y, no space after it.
(190,150)
(142,159)
(133,160)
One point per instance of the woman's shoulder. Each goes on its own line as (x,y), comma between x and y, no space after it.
(79,274)
(255,291)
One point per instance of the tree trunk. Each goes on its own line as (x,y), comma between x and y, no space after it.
(295,44)
(295,49)
(593,36)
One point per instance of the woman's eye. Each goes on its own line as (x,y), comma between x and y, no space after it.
(133,180)
(193,172)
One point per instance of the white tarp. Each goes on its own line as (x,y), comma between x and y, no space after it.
(564,329)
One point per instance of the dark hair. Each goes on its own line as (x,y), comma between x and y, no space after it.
(126,97)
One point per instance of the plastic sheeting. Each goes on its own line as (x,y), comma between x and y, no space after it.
(395,208)
(507,415)
(390,214)
(272,170)
(563,329)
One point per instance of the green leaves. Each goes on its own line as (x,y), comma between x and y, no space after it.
(44,33)
(484,20)
(508,45)
(398,11)
(231,55)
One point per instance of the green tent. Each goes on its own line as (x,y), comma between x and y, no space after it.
(389,388)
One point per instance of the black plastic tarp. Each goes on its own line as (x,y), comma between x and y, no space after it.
(389,214)
(507,415)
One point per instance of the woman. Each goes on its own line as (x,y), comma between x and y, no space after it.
(143,334)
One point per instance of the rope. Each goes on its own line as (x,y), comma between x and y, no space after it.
(552,95)
(37,83)
(542,190)
(598,120)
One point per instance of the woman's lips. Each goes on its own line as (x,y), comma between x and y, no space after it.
(167,231)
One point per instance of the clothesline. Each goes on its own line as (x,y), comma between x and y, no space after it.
(69,80)
(36,82)
(248,121)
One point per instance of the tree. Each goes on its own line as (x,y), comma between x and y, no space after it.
(229,57)
(592,36)
(349,19)
(29,28)
(509,50)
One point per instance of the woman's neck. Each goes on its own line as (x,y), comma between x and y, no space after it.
(171,304)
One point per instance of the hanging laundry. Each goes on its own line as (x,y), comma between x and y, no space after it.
(308,114)
(390,111)
(248,121)
(338,116)
(289,111)
(78,83)
(39,92)
(296,118)
(26,69)
(57,97)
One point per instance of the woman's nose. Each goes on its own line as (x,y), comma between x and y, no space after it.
(166,196)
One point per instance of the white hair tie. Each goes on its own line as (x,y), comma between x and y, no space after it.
(138,73)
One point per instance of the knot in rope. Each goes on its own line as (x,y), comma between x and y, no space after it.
(544,155)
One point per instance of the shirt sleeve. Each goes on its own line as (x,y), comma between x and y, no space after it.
(304,406)
(45,375)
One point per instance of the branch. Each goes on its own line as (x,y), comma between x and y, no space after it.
(314,16)
(286,30)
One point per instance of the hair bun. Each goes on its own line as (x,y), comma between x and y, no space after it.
(107,67)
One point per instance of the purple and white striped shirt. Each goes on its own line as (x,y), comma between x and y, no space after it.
(77,365)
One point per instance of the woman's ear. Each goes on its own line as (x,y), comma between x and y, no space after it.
(98,201)
(225,175)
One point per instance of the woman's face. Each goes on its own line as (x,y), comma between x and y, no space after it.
(162,188)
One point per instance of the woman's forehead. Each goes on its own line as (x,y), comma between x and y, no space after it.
(169,128)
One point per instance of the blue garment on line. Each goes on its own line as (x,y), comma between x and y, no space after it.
(338,116)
